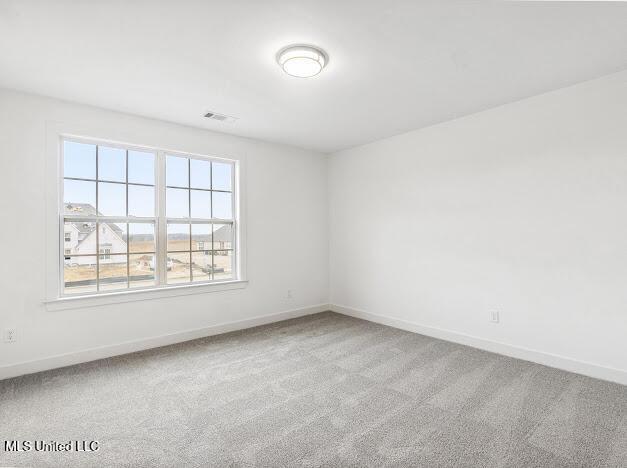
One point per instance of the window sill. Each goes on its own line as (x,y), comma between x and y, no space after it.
(95,300)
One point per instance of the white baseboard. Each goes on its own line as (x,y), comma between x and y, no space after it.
(92,354)
(540,357)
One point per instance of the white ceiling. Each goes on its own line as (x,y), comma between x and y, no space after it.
(394,65)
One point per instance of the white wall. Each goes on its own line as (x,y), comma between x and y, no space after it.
(286,209)
(520,209)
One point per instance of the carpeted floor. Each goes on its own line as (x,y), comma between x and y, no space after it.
(322,390)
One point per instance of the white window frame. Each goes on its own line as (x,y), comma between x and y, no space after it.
(55,297)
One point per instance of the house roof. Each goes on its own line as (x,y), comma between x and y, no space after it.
(223,233)
(85,209)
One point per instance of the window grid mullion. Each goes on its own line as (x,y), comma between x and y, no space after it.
(189,214)
(81,179)
(211,213)
(173,186)
(97,225)
(234,215)
(162,252)
(191,273)
(128,234)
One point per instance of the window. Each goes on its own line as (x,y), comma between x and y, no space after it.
(105,253)
(144,218)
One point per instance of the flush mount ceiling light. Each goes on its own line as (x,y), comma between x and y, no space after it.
(302,61)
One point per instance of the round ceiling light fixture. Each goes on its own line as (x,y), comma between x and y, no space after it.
(302,61)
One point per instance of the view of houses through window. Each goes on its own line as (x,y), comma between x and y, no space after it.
(111,219)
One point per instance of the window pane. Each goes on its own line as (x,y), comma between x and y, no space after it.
(178,267)
(141,237)
(79,275)
(177,171)
(201,236)
(177,203)
(142,270)
(222,264)
(79,197)
(201,204)
(111,164)
(200,173)
(221,176)
(178,236)
(111,199)
(141,201)
(141,167)
(222,205)
(79,237)
(79,160)
(111,238)
(201,266)
(112,272)
(222,236)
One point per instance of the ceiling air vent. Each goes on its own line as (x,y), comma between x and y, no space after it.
(220,117)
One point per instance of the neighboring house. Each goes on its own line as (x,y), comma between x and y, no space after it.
(80,238)
(221,240)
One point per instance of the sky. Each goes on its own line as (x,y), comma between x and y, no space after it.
(80,162)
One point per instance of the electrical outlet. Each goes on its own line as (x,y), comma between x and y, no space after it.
(289,294)
(494,316)
(10,335)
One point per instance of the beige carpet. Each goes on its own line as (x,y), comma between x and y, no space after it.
(323,390)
